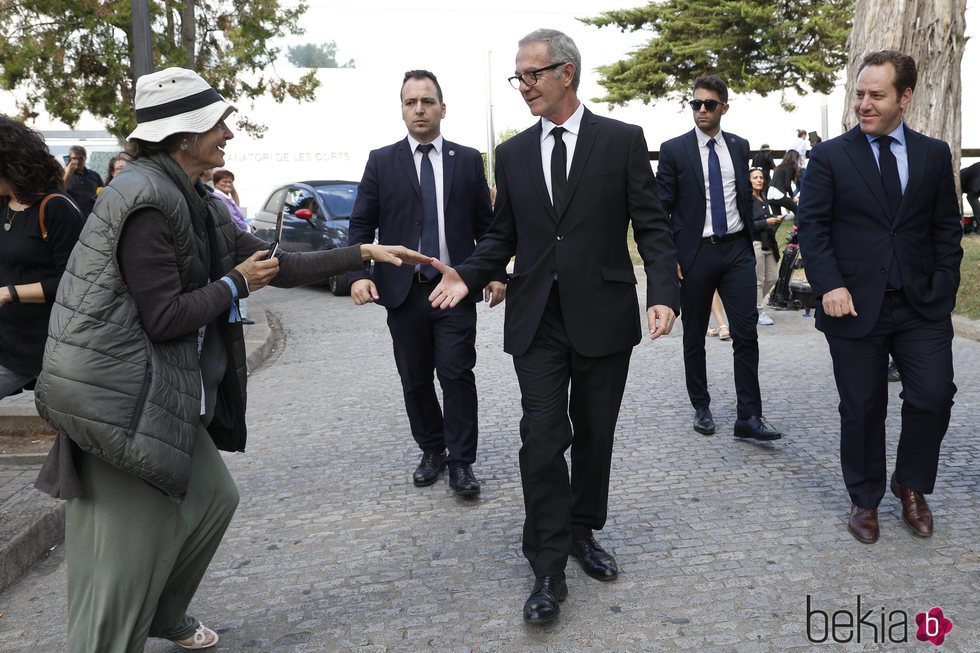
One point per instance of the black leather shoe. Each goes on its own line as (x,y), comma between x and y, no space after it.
(429,467)
(542,606)
(462,481)
(247,321)
(595,561)
(704,423)
(757,428)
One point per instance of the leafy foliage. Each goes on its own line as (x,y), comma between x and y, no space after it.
(311,55)
(507,134)
(74,55)
(756,46)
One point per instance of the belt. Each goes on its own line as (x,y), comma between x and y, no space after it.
(727,238)
(419,277)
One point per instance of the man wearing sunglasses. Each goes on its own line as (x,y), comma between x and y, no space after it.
(568,188)
(704,187)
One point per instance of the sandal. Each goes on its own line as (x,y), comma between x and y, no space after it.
(202,638)
(712,333)
(723,333)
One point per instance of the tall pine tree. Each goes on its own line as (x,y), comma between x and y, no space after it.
(757,46)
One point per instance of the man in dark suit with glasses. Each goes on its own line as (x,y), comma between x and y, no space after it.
(704,188)
(568,188)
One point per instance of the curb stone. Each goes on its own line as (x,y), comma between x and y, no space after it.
(34,523)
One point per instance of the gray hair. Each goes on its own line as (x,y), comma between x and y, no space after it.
(561,47)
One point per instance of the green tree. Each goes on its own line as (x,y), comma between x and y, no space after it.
(72,57)
(312,55)
(757,46)
(507,134)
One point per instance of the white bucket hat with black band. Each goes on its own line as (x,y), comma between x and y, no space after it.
(176,100)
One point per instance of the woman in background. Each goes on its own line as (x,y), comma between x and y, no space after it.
(764,243)
(224,190)
(782,191)
(116,165)
(32,260)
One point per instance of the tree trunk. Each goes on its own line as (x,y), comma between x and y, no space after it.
(188,31)
(931,31)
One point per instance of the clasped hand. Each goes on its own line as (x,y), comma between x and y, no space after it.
(451,289)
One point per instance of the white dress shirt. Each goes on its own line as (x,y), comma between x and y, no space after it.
(570,138)
(727,178)
(435,157)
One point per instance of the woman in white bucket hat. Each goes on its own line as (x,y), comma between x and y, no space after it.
(144,373)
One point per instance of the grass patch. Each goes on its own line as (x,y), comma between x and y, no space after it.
(968,299)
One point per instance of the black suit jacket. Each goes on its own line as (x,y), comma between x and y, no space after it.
(680,180)
(389,200)
(610,185)
(847,235)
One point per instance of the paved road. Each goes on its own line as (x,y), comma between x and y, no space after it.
(720,542)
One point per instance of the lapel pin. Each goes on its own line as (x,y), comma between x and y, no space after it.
(452,152)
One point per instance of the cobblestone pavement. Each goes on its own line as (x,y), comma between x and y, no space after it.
(721,543)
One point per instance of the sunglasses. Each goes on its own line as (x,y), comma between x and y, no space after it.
(710,105)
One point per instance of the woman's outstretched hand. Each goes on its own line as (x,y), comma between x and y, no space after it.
(393,254)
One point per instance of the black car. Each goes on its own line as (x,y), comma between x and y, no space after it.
(315,216)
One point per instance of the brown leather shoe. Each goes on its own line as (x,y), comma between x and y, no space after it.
(915,510)
(863,524)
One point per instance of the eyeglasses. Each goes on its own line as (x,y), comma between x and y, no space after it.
(530,78)
(756,170)
(710,105)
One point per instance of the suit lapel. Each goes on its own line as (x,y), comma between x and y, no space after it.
(406,161)
(588,130)
(915,151)
(738,165)
(691,147)
(532,154)
(448,168)
(858,148)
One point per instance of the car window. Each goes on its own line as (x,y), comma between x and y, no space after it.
(300,198)
(338,198)
(275,201)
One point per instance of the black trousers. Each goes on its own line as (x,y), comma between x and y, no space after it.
(729,268)
(427,340)
(922,349)
(569,400)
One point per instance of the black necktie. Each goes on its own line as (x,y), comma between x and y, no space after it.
(889,173)
(559,162)
(429,244)
(716,191)
(893,191)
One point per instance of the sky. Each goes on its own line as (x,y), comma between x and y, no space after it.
(471,46)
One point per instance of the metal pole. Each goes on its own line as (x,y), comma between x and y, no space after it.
(142,47)
(491,136)
(824,119)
